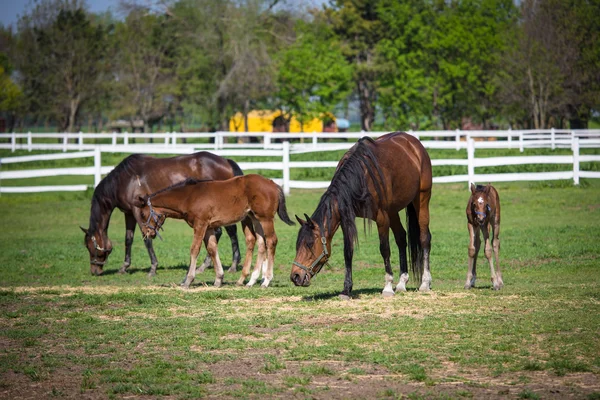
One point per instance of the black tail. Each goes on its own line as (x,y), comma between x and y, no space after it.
(282,210)
(237,171)
(414,243)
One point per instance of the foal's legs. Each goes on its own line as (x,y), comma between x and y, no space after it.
(206,262)
(383,227)
(199,232)
(262,253)
(474,245)
(271,244)
(488,254)
(211,243)
(129,233)
(137,214)
(250,235)
(400,236)
(496,244)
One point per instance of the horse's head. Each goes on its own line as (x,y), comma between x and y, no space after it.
(480,203)
(312,252)
(154,220)
(99,247)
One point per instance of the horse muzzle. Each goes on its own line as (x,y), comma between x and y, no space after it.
(300,278)
(96,269)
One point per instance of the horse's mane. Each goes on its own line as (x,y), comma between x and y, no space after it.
(105,194)
(349,188)
(188,181)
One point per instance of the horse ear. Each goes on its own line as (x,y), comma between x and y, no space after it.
(140,201)
(300,220)
(309,221)
(83,229)
(487,189)
(472,187)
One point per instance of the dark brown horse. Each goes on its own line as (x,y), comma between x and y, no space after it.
(206,205)
(483,214)
(375,179)
(137,175)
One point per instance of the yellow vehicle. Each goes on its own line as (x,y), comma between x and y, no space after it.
(272,121)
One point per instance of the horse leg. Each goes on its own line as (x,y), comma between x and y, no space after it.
(208,259)
(383,227)
(488,254)
(129,234)
(250,243)
(474,245)
(400,237)
(425,238)
(496,244)
(211,243)
(199,232)
(348,255)
(262,252)
(235,248)
(271,244)
(147,242)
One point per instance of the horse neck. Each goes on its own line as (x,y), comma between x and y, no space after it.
(168,205)
(100,216)
(331,223)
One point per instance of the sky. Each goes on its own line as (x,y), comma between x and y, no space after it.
(11,10)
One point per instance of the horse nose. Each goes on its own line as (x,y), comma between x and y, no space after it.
(295,277)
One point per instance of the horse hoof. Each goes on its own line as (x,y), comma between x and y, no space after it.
(424,288)
(232,270)
(217,284)
(387,294)
(468,287)
(344,297)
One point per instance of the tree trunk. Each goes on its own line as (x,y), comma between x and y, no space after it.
(367,111)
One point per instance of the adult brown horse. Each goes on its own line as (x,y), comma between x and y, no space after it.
(206,205)
(483,213)
(137,175)
(375,179)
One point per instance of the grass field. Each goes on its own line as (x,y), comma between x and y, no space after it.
(66,334)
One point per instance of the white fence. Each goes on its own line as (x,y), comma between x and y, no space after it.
(285,165)
(177,142)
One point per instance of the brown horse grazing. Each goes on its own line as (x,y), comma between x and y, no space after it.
(375,179)
(483,212)
(140,174)
(206,205)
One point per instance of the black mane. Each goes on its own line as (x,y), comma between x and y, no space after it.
(349,188)
(188,181)
(105,194)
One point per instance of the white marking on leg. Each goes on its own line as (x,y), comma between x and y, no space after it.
(401,287)
(426,282)
(254,277)
(388,290)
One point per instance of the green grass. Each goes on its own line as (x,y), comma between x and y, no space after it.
(66,333)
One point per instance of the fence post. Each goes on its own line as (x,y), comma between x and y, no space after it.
(174,139)
(97,166)
(80,140)
(29,141)
(553,138)
(314,140)
(470,161)
(286,168)
(13,142)
(267,140)
(114,138)
(509,138)
(65,141)
(521,141)
(126,138)
(167,139)
(458,139)
(575,146)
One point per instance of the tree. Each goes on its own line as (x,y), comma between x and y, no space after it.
(313,75)
(357,25)
(60,60)
(144,68)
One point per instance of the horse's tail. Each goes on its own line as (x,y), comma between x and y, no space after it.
(237,171)
(282,210)
(414,243)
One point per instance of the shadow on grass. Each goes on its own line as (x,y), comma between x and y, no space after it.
(355,294)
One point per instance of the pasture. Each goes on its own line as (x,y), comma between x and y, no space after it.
(67,334)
